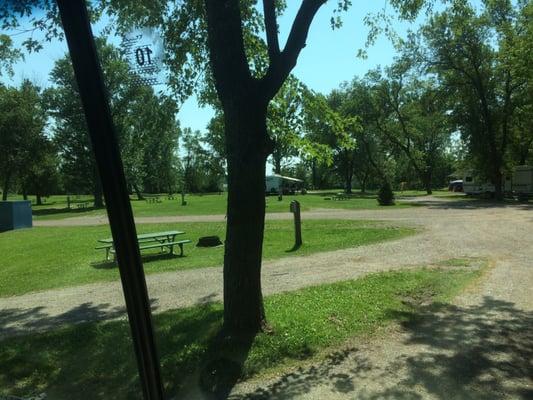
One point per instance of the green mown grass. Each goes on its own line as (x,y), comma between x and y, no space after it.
(95,360)
(52,257)
(208,204)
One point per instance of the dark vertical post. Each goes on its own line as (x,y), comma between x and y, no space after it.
(295,209)
(104,142)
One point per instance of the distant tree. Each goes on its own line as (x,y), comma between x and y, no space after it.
(284,121)
(385,194)
(22,122)
(411,116)
(467,50)
(201,170)
(153,118)
(41,177)
(145,124)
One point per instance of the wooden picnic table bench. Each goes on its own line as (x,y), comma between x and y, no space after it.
(340,196)
(83,204)
(152,199)
(162,240)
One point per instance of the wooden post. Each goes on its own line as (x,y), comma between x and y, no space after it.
(295,209)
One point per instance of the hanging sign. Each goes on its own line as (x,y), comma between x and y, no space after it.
(144,51)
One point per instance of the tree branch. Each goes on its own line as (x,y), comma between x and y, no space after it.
(278,71)
(271,28)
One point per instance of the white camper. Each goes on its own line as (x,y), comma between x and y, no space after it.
(522,180)
(472,185)
(520,183)
(275,184)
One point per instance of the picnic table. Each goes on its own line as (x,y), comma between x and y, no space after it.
(340,196)
(163,240)
(152,199)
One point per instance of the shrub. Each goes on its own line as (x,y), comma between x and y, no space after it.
(385,195)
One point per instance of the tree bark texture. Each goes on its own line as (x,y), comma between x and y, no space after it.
(247,153)
(245,99)
(5,188)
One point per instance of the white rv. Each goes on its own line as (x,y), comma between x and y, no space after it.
(521,182)
(275,184)
(472,185)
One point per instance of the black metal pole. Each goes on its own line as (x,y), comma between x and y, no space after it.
(104,142)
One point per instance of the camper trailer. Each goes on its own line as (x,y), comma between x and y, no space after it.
(519,183)
(473,185)
(275,184)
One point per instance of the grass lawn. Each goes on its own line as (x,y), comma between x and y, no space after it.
(44,258)
(96,361)
(208,204)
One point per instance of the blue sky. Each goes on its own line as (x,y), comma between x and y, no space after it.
(328,59)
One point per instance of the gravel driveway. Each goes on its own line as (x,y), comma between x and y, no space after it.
(481,347)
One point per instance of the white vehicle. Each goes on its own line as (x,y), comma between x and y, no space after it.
(275,184)
(520,182)
(471,185)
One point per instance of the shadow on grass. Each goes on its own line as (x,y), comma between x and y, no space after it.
(24,321)
(294,248)
(474,352)
(477,352)
(65,210)
(146,259)
(96,361)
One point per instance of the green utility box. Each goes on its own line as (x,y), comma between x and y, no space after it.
(15,215)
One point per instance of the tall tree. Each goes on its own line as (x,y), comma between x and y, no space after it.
(411,115)
(464,48)
(145,124)
(22,122)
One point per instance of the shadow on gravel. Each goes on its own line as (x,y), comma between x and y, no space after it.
(469,204)
(146,258)
(477,352)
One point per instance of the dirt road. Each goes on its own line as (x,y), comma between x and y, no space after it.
(480,347)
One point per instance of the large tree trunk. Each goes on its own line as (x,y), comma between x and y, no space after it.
(498,185)
(247,151)
(277,163)
(5,187)
(428,181)
(348,183)
(138,192)
(98,195)
(39,200)
(314,175)
(244,101)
